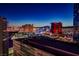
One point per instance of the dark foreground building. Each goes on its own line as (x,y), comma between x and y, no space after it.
(76,23)
(3,35)
(5,38)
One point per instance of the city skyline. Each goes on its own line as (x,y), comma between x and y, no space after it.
(35,29)
(37,14)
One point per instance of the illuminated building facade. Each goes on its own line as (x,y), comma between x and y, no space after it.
(42,29)
(67,30)
(76,22)
(26,28)
(56,27)
(12,28)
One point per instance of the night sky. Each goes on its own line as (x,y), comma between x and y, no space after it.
(37,14)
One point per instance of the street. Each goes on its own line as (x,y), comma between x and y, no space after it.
(52,46)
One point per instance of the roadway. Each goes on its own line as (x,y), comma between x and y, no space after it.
(50,45)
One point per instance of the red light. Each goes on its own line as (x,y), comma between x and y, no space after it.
(56,27)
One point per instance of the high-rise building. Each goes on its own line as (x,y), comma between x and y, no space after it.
(76,22)
(3,35)
(56,27)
